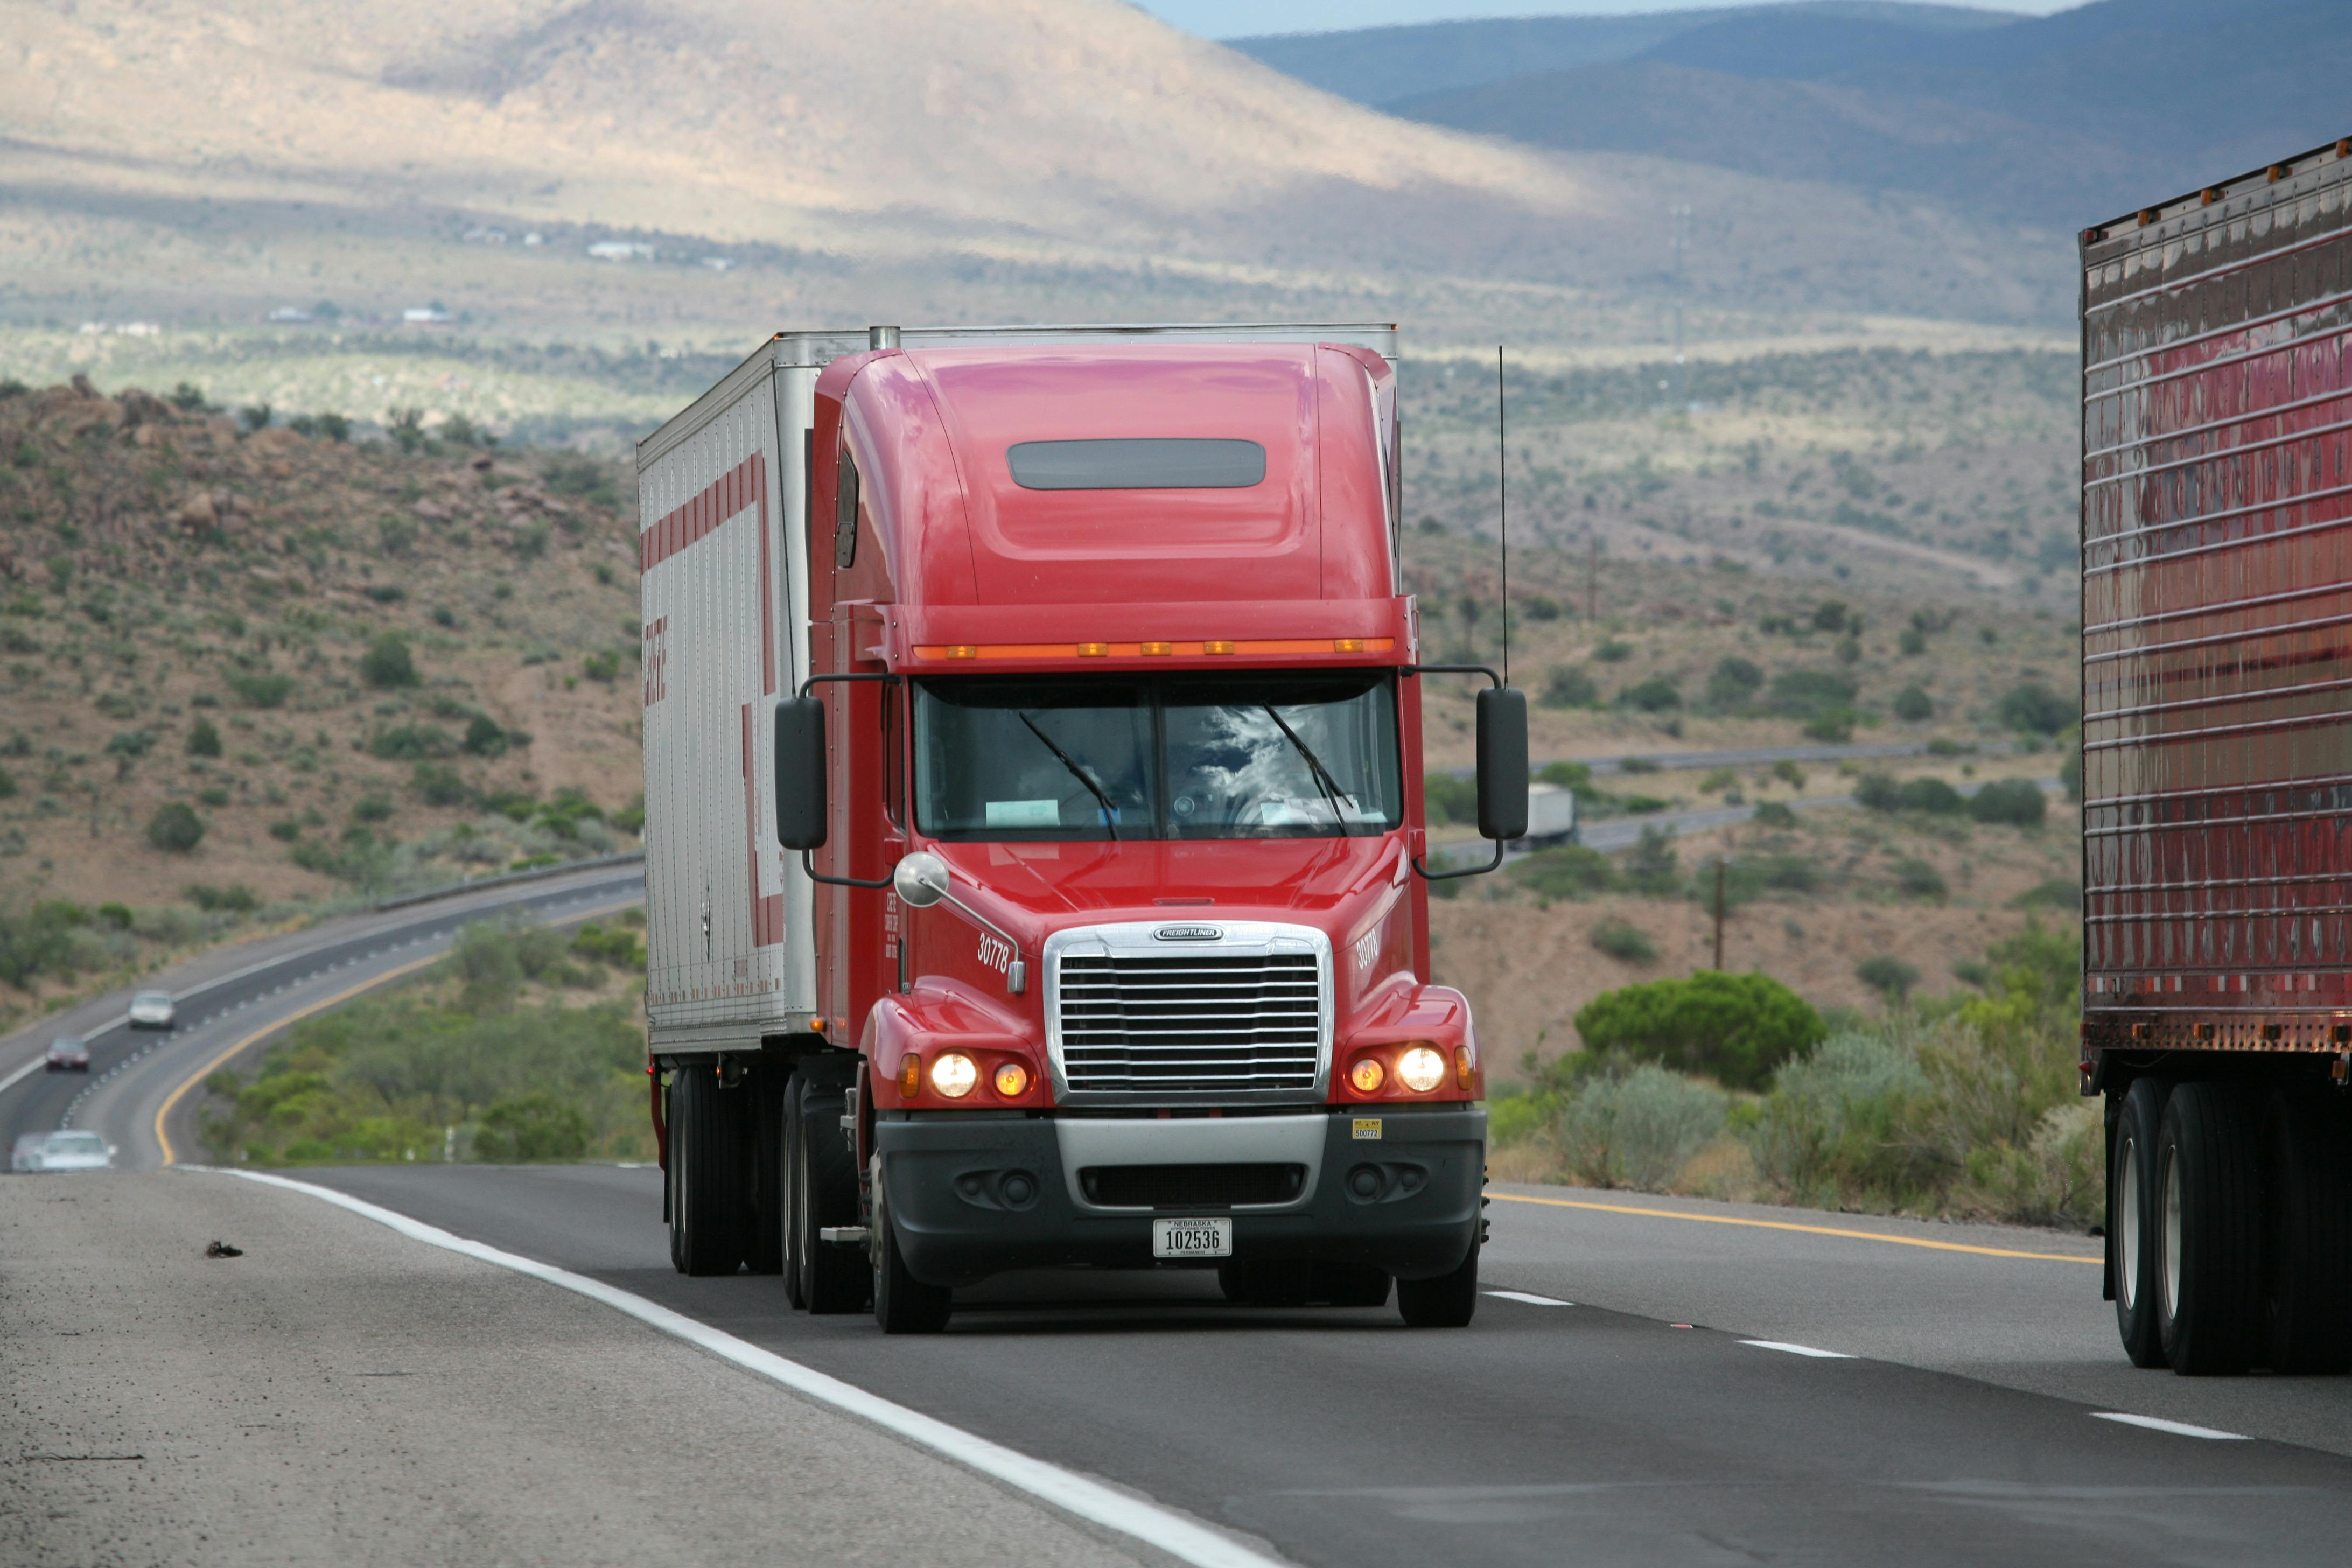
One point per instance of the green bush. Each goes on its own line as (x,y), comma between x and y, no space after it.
(1733,683)
(485,736)
(371,808)
(1653,867)
(1623,940)
(386,663)
(620,947)
(2033,708)
(2019,801)
(285,832)
(7,785)
(204,738)
(412,743)
(1774,813)
(1932,795)
(1569,685)
(535,1126)
(235,900)
(175,828)
(437,783)
(1912,641)
(1888,975)
(261,688)
(604,667)
(1913,705)
(1806,693)
(1831,726)
(115,917)
(38,941)
(1829,1130)
(1830,615)
(1564,872)
(1613,650)
(1656,695)
(1734,1027)
(1637,1127)
(1916,879)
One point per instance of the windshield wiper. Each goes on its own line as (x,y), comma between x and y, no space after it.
(1079,773)
(1324,783)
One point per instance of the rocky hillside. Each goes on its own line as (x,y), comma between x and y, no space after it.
(246,663)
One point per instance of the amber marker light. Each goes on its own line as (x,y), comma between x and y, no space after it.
(1216,645)
(1461,1067)
(1421,1069)
(1012,1080)
(1367,1075)
(960,650)
(910,1074)
(953,1075)
(1155,649)
(1347,645)
(1094,649)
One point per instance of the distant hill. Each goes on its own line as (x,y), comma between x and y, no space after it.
(2061,120)
(1383,65)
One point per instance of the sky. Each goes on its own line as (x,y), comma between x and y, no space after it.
(1243,18)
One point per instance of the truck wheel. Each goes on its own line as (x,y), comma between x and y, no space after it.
(1444,1302)
(2208,1231)
(2306,1236)
(902,1303)
(831,1279)
(2132,1220)
(709,1200)
(764,1253)
(789,1159)
(1349,1285)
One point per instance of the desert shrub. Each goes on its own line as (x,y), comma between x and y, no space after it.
(1656,695)
(1833,726)
(395,535)
(1735,1028)
(1568,776)
(1718,780)
(618,947)
(1930,795)
(38,941)
(1613,650)
(1804,693)
(1564,872)
(1789,773)
(2033,707)
(386,663)
(1569,685)
(631,818)
(285,832)
(1775,814)
(216,795)
(175,828)
(236,899)
(1913,705)
(535,1126)
(604,667)
(1830,1128)
(1751,876)
(1832,617)
(1539,608)
(485,736)
(1916,879)
(114,917)
(571,474)
(254,416)
(1638,1126)
(371,808)
(1450,799)
(1912,641)
(261,688)
(437,783)
(2019,801)
(1623,940)
(1888,975)
(1652,867)
(566,810)
(1733,682)
(411,742)
(7,785)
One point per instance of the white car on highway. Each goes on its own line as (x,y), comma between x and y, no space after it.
(65,1151)
(151,1010)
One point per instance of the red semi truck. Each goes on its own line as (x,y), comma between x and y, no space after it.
(1034,841)
(2217,763)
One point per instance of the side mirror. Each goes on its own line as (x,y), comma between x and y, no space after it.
(1502,763)
(800,773)
(920,880)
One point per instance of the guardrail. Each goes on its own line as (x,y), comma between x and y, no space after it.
(508,878)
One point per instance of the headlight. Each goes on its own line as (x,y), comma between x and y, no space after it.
(1012,1080)
(1421,1068)
(953,1075)
(1367,1074)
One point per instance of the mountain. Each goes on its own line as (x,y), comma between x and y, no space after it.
(201,163)
(2061,120)
(1382,65)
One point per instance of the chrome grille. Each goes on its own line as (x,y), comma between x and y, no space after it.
(1242,1019)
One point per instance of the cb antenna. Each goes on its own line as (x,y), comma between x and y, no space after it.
(1502,480)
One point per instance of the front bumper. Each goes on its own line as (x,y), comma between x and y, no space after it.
(960,1217)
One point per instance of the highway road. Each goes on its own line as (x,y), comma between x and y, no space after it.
(1649,1380)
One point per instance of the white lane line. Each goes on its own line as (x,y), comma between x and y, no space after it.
(1149,1523)
(1530,1300)
(1798,1350)
(2177,1429)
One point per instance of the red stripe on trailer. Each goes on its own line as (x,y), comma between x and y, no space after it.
(757,465)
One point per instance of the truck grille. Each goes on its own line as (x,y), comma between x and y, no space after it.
(1190,1186)
(1189,1023)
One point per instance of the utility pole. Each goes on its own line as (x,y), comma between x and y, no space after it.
(1720,864)
(1682,216)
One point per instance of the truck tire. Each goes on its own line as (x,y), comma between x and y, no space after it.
(833,1278)
(1447,1301)
(710,1198)
(2306,1236)
(765,1252)
(788,1161)
(2132,1220)
(902,1303)
(2208,1236)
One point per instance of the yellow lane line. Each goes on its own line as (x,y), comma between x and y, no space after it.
(1808,1229)
(163,1139)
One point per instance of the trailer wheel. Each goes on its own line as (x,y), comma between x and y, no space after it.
(2306,1236)
(902,1303)
(833,1278)
(2132,1220)
(711,1197)
(2208,1231)
(1445,1303)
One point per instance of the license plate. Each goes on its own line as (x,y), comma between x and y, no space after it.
(1191,1238)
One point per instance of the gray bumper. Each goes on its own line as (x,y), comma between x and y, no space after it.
(1408,1201)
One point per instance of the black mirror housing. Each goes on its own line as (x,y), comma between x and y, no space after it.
(800,769)
(1502,763)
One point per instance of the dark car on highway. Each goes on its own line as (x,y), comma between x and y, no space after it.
(67,1055)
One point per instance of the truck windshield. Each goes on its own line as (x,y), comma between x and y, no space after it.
(1248,755)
